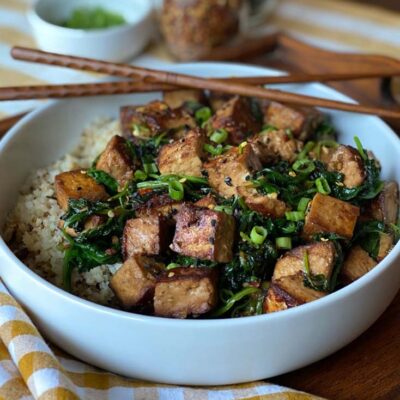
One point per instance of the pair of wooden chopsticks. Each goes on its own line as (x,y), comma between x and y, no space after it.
(145,80)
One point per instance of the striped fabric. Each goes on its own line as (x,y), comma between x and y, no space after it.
(333,24)
(29,370)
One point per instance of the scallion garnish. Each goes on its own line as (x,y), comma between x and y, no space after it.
(306,149)
(202,115)
(303,203)
(258,234)
(304,166)
(219,136)
(140,175)
(283,243)
(175,190)
(322,185)
(294,216)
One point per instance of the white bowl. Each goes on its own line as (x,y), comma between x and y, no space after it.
(118,43)
(197,352)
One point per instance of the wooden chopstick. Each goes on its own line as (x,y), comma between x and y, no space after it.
(181,80)
(79,90)
(7,123)
(125,87)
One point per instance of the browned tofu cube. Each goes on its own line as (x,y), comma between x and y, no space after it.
(268,205)
(147,235)
(321,259)
(178,98)
(302,121)
(160,205)
(235,116)
(218,99)
(274,145)
(289,291)
(143,122)
(328,214)
(135,281)
(356,264)
(77,185)
(206,202)
(204,234)
(231,170)
(116,160)
(348,162)
(186,291)
(183,156)
(385,245)
(385,207)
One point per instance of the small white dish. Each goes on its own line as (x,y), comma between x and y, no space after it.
(190,352)
(116,44)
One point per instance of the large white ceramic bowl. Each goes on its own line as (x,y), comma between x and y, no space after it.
(118,43)
(198,352)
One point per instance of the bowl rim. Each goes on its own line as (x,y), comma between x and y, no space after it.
(204,323)
(35,19)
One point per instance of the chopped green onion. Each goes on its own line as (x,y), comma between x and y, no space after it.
(219,136)
(175,190)
(225,209)
(202,115)
(307,148)
(140,175)
(172,266)
(195,179)
(294,215)
(152,185)
(139,130)
(306,263)
(303,203)
(241,147)
(258,234)
(245,237)
(322,186)
(304,166)
(283,242)
(360,148)
(150,168)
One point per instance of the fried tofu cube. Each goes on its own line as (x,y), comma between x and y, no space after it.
(183,156)
(186,291)
(321,259)
(231,170)
(274,145)
(77,185)
(289,291)
(348,162)
(116,160)
(218,99)
(161,205)
(302,121)
(385,207)
(144,122)
(268,205)
(204,234)
(235,116)
(178,98)
(135,281)
(356,264)
(206,202)
(385,245)
(147,235)
(328,214)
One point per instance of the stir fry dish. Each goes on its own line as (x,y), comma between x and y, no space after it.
(222,206)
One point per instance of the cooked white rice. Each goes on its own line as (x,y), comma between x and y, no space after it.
(31,229)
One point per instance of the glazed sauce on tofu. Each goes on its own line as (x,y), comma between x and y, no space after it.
(217,206)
